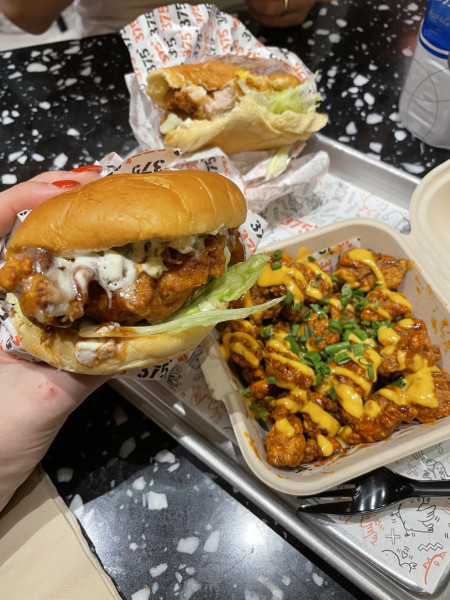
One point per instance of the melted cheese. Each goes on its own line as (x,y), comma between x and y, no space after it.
(367,258)
(371,408)
(297,401)
(291,278)
(349,399)
(419,389)
(345,432)
(247,299)
(326,447)
(284,427)
(243,344)
(294,280)
(364,384)
(388,336)
(277,350)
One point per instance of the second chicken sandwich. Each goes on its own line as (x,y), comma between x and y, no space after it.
(220,104)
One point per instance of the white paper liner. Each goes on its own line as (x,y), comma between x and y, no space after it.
(184,33)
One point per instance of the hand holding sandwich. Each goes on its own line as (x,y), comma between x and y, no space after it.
(35,399)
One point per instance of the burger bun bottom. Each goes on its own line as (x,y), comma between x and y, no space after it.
(66,350)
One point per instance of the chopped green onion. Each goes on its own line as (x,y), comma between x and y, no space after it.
(309,331)
(311,259)
(262,413)
(325,370)
(365,362)
(266,332)
(288,298)
(346,290)
(319,276)
(321,316)
(359,333)
(370,372)
(297,306)
(306,315)
(277,255)
(276,265)
(294,329)
(331,393)
(335,325)
(246,392)
(333,348)
(358,349)
(399,382)
(318,339)
(293,344)
(312,357)
(341,357)
(272,380)
(376,304)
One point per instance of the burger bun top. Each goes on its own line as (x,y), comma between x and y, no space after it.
(128,208)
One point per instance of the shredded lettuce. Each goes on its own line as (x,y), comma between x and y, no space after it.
(12,299)
(171,123)
(208,308)
(277,163)
(299,99)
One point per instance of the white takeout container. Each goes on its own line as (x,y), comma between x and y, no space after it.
(427,287)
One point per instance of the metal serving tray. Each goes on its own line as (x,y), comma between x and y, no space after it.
(217,447)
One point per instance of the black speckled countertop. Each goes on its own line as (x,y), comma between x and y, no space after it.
(163,524)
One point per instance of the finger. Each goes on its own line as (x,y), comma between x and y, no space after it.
(29,194)
(83,174)
(25,196)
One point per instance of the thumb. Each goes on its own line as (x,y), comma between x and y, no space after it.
(26,196)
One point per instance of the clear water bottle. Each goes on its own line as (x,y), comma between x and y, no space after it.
(425,99)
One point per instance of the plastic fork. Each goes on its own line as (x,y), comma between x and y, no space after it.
(373,492)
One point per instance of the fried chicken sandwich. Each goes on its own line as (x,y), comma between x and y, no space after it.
(128,271)
(220,104)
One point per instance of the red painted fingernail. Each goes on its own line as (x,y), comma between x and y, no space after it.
(66,183)
(88,168)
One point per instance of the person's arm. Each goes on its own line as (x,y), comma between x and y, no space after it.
(35,399)
(279,13)
(33,16)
